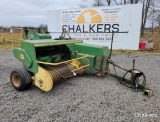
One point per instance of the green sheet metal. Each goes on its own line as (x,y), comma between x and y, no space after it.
(97,55)
(23,57)
(92,49)
(101,54)
(30,49)
(35,35)
(51,42)
(44,59)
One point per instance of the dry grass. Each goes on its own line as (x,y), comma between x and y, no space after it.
(8,45)
(155,37)
(147,36)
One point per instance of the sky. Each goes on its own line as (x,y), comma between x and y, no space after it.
(31,12)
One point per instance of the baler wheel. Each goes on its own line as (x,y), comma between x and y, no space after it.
(21,79)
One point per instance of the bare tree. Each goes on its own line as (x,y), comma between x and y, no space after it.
(43,27)
(125,1)
(109,2)
(146,10)
(98,3)
(131,1)
(157,13)
(86,3)
(136,1)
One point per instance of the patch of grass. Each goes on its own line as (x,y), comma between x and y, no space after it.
(8,45)
(1,43)
(155,37)
(156,54)
(125,51)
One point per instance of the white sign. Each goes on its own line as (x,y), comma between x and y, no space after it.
(95,25)
(92,25)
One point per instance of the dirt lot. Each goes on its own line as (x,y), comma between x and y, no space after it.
(85,98)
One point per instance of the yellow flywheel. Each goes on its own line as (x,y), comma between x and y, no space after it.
(43,80)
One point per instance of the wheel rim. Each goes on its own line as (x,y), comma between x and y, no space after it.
(16,80)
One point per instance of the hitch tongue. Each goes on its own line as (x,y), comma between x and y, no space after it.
(148,92)
(133,63)
(136,84)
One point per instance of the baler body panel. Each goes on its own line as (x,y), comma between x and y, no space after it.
(35,35)
(50,42)
(97,55)
(30,46)
(30,49)
(23,57)
(92,49)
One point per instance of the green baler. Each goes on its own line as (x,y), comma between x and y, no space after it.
(47,61)
(57,59)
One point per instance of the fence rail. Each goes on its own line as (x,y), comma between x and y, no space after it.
(9,34)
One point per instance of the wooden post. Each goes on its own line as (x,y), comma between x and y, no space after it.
(159,28)
(2,34)
(12,44)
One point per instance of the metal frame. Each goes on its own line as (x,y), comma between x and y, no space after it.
(135,74)
(133,82)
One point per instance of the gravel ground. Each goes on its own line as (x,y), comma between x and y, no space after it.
(85,98)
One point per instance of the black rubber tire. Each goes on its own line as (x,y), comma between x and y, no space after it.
(21,79)
(28,86)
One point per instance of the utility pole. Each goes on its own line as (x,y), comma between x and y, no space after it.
(98,3)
